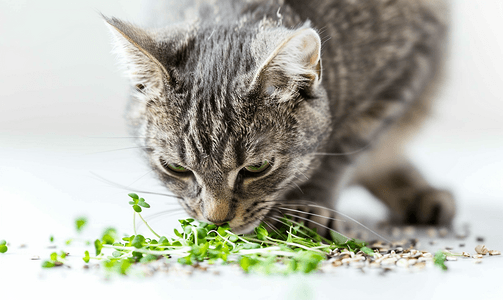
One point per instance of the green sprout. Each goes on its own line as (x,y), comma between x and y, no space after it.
(55,260)
(290,248)
(3,246)
(439,260)
(80,223)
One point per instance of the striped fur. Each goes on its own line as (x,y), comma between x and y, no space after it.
(243,82)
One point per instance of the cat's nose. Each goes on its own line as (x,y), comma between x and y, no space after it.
(219,222)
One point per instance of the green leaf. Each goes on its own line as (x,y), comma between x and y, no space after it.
(62,254)
(367,250)
(98,246)
(109,236)
(133,195)
(3,248)
(148,258)
(439,260)
(137,208)
(48,264)
(117,253)
(3,242)
(86,257)
(138,241)
(80,223)
(142,203)
(51,238)
(261,232)
(54,256)
(164,241)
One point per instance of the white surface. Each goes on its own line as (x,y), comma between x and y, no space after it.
(61,95)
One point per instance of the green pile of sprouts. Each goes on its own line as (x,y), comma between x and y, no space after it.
(291,248)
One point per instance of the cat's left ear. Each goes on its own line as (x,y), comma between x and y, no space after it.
(137,52)
(294,66)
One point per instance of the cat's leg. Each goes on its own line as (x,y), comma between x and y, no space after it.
(407,194)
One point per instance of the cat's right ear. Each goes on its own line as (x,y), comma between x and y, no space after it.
(136,51)
(294,66)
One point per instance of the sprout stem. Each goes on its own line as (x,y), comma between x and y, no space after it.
(158,236)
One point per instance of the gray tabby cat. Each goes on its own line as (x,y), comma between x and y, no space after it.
(248,110)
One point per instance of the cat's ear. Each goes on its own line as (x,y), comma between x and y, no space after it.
(137,53)
(293,66)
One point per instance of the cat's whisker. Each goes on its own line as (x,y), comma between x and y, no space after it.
(272,227)
(309,213)
(140,178)
(312,204)
(314,222)
(134,190)
(277,218)
(344,153)
(120,149)
(166,213)
(301,173)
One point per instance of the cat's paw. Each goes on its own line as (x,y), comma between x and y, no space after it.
(431,207)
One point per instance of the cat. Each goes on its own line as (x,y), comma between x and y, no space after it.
(250,110)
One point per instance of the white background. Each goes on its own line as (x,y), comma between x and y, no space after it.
(62,99)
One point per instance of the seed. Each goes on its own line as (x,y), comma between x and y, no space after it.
(427,255)
(432,232)
(494,252)
(35,257)
(477,256)
(450,258)
(481,249)
(337,263)
(461,245)
(466,254)
(477,261)
(420,265)
(402,263)
(388,261)
(412,261)
(480,239)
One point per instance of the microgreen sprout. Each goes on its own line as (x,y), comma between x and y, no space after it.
(3,246)
(80,223)
(56,260)
(290,248)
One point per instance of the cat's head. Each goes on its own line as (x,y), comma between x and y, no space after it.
(230,115)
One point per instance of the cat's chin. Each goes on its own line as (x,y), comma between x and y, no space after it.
(247,228)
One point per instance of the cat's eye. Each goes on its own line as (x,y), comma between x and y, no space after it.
(259,167)
(174,167)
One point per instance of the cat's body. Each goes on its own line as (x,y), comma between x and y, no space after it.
(243,110)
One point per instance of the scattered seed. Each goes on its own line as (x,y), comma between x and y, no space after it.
(466,254)
(35,257)
(450,258)
(494,252)
(477,261)
(480,239)
(481,249)
(477,256)
(461,245)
